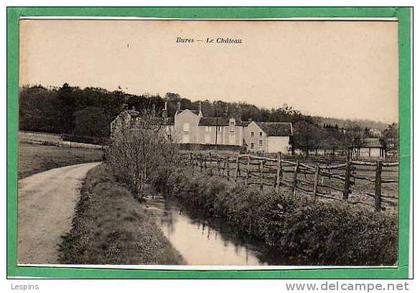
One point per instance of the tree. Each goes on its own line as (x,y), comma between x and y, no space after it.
(91,121)
(36,109)
(306,136)
(142,152)
(390,138)
(356,137)
(66,105)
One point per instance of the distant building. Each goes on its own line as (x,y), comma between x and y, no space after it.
(268,137)
(125,120)
(191,127)
(370,148)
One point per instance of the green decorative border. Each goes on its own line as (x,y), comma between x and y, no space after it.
(402,14)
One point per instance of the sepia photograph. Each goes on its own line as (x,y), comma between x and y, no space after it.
(208,143)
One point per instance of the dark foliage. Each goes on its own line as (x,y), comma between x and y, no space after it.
(89,111)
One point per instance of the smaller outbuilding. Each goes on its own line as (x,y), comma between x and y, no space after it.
(371,148)
(269,137)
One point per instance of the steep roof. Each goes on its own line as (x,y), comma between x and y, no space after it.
(213,121)
(372,142)
(276,128)
(220,121)
(196,112)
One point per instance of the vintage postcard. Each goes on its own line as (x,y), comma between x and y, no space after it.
(249,145)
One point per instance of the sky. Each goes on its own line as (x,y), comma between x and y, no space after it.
(339,69)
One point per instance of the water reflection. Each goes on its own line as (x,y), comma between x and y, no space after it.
(203,243)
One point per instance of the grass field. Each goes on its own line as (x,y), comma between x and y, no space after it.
(111,227)
(35,158)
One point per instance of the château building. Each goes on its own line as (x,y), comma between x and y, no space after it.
(192,127)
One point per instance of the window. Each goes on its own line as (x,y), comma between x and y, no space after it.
(232,123)
(261,142)
(186,127)
(252,133)
(260,133)
(252,145)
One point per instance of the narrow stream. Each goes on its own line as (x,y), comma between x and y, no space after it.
(204,243)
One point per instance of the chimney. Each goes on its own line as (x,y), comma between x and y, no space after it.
(200,113)
(165,110)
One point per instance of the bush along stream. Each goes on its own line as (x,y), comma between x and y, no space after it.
(111,227)
(303,231)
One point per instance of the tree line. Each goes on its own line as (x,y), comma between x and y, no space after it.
(89,112)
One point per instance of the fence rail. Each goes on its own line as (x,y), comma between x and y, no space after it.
(318,180)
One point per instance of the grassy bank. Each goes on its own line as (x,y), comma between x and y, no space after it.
(111,227)
(35,158)
(306,232)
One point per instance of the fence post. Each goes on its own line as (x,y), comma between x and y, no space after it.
(294,183)
(247,171)
(261,175)
(206,166)
(210,165)
(237,168)
(378,185)
(227,167)
(316,181)
(279,173)
(329,179)
(191,163)
(346,190)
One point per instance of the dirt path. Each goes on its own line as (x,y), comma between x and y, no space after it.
(46,203)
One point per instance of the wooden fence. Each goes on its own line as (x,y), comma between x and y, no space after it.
(316,180)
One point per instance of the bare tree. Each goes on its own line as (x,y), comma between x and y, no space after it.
(390,139)
(142,151)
